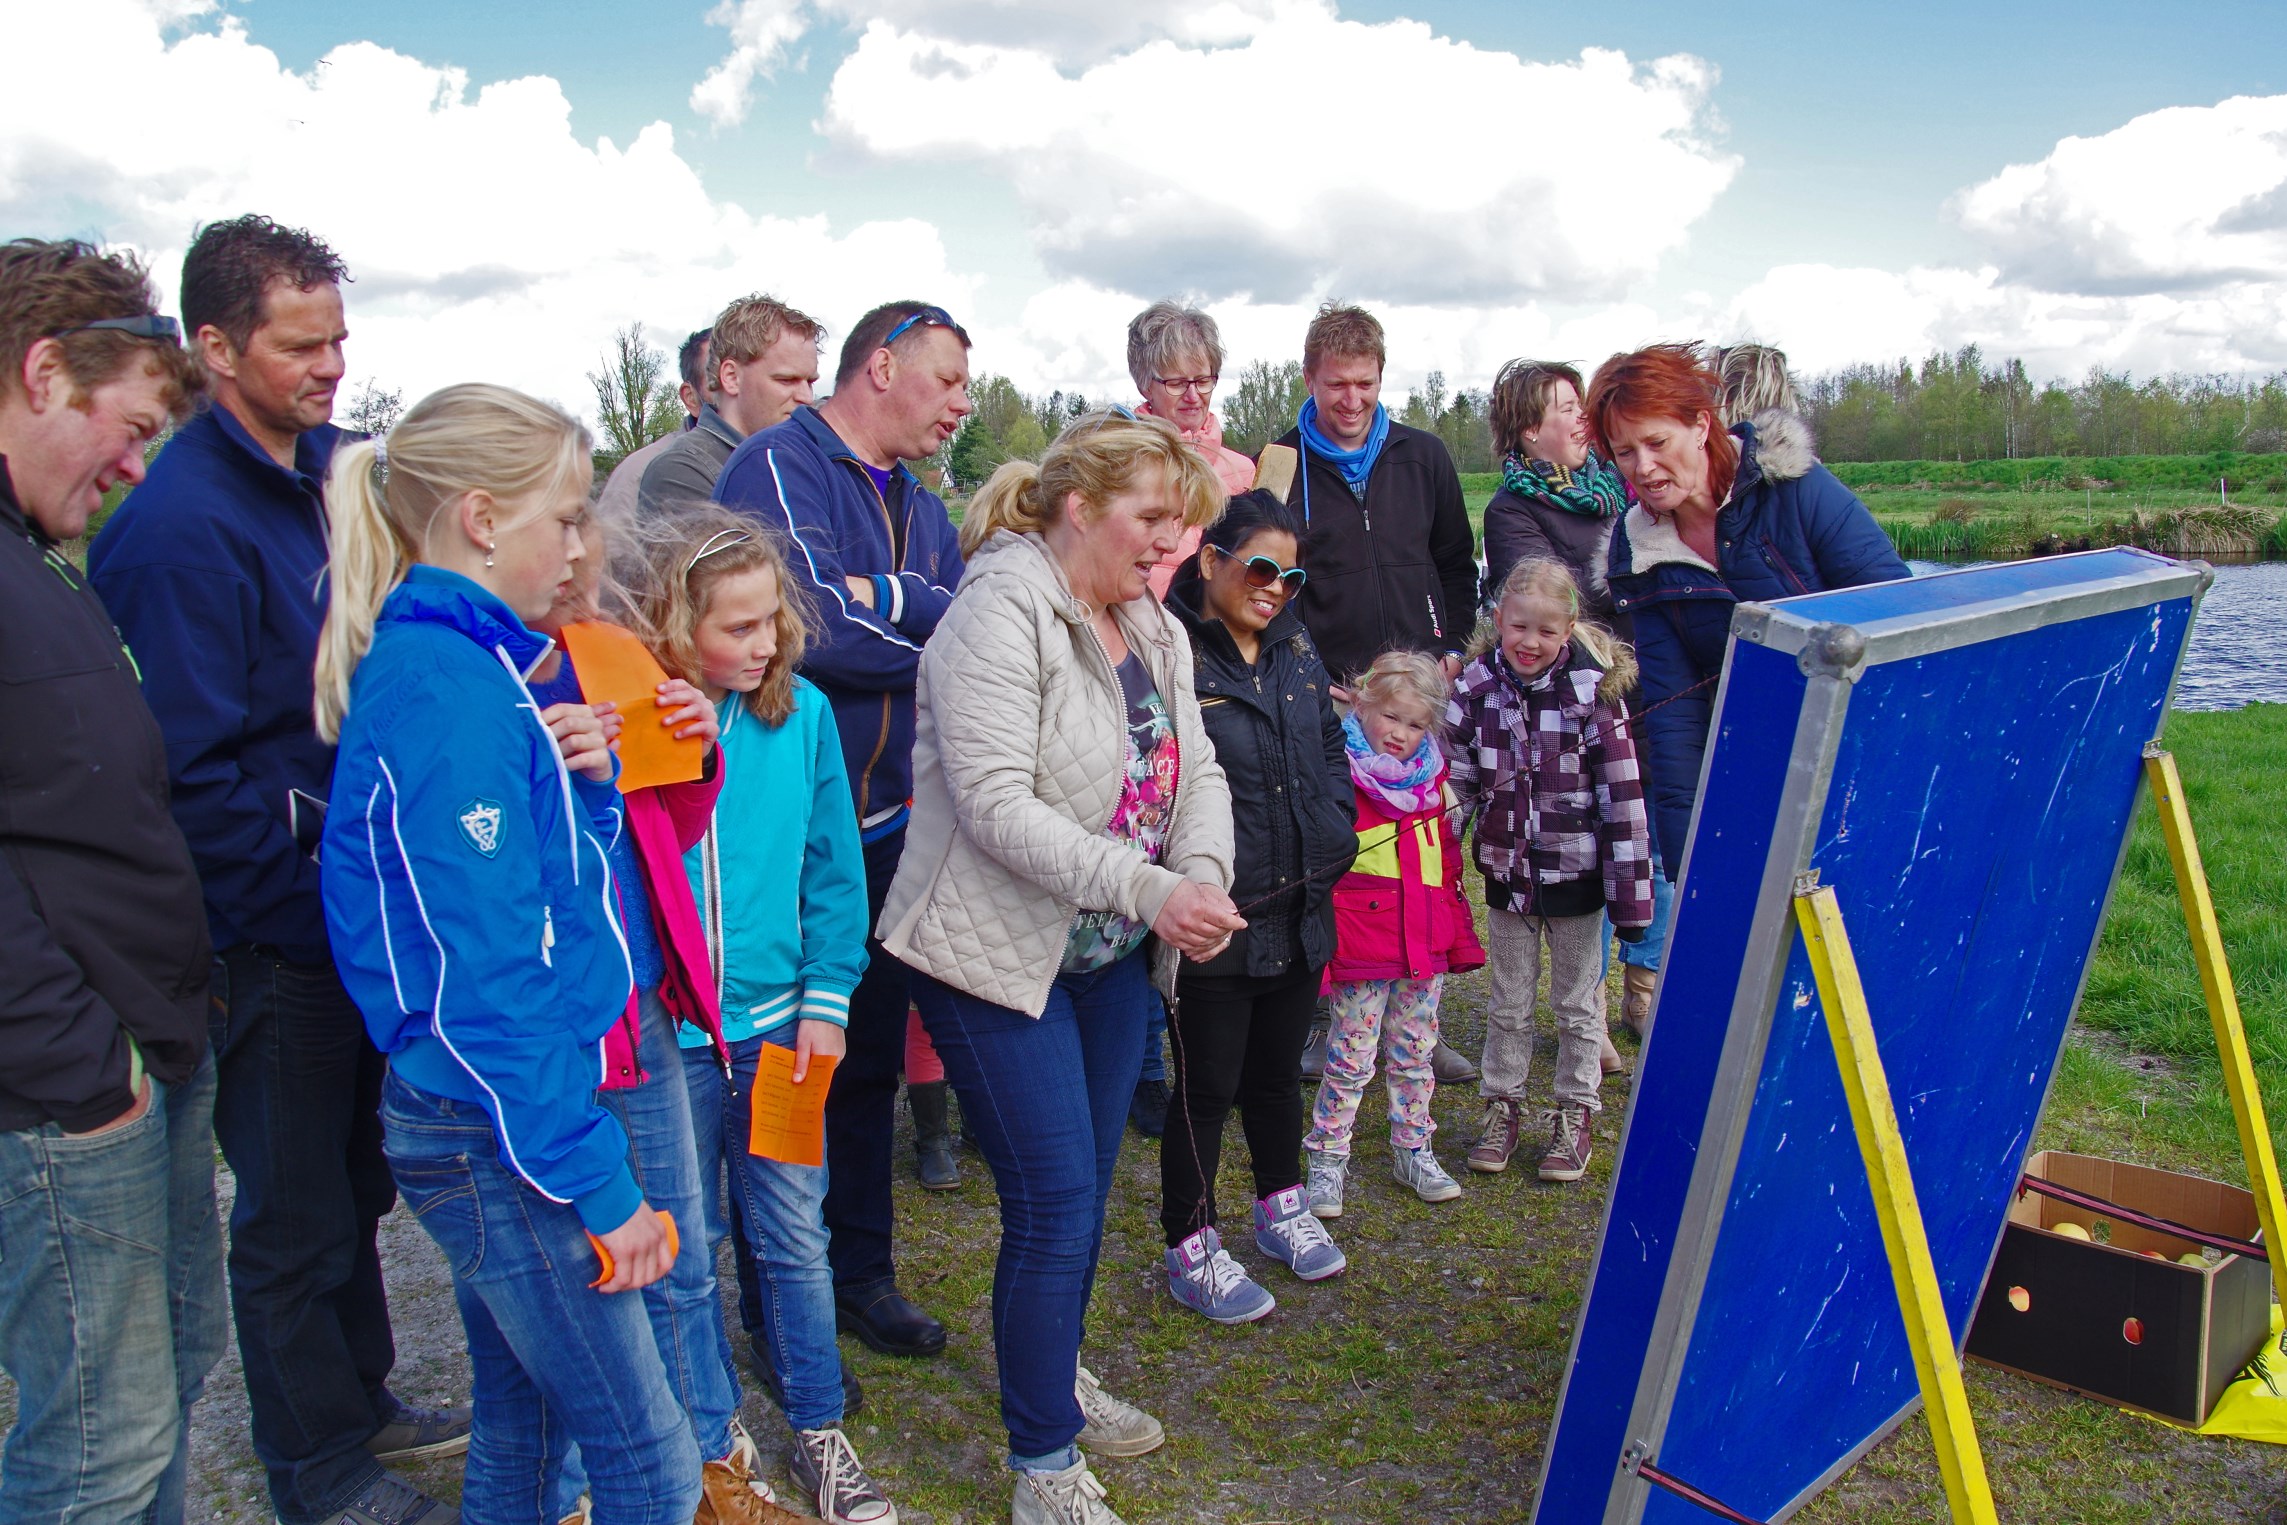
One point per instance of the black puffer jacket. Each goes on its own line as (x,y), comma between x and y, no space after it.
(103,937)
(1280,746)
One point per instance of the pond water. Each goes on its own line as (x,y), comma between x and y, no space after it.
(2239,640)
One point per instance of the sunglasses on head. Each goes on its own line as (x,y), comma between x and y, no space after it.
(143,325)
(935,317)
(1261,572)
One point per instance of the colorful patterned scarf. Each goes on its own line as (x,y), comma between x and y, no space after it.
(1593,492)
(1404,784)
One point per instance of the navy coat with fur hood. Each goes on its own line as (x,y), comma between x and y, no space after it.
(1788,527)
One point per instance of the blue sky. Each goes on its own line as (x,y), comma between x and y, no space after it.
(1830,177)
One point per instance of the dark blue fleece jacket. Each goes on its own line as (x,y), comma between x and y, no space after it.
(214,570)
(801,480)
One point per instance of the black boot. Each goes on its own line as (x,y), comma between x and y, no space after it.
(932,1138)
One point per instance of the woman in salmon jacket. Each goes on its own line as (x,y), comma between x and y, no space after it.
(472,908)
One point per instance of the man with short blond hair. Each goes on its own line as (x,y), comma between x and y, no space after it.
(111,1274)
(762,364)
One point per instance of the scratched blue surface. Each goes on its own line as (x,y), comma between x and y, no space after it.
(1979,799)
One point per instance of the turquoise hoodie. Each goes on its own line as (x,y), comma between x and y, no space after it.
(779,877)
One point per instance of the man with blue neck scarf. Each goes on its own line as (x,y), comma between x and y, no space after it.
(1386,538)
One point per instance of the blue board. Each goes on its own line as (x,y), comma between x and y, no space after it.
(1958,757)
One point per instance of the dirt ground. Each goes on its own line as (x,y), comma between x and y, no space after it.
(1417,1387)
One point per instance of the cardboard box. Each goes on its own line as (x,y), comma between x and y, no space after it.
(2103,1317)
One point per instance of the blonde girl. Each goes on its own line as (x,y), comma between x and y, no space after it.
(1400,926)
(1543,756)
(779,880)
(471,905)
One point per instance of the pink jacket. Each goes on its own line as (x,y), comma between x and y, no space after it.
(1399,914)
(667,822)
(1236,471)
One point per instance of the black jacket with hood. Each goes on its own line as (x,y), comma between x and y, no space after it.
(103,935)
(1396,568)
(1280,746)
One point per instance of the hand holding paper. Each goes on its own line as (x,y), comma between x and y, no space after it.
(615,668)
(788,1121)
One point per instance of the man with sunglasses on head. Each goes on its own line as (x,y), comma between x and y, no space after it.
(110,1255)
(881,560)
(215,571)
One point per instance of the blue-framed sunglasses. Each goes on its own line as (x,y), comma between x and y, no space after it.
(144,325)
(1261,572)
(935,317)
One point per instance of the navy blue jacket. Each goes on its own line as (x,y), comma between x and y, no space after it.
(1789,527)
(801,480)
(469,891)
(214,570)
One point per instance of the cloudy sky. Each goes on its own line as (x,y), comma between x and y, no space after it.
(2093,183)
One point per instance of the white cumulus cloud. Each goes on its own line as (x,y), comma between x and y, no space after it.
(1256,169)
(485,240)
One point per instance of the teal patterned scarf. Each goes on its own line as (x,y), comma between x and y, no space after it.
(1593,492)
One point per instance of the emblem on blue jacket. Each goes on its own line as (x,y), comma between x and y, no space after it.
(480,824)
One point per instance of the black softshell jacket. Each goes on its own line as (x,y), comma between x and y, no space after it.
(102,930)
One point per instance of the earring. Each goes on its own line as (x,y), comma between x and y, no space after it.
(488,558)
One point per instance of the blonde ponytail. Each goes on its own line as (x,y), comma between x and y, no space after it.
(1099,456)
(385,497)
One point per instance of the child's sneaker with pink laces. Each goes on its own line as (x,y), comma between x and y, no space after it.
(1288,1232)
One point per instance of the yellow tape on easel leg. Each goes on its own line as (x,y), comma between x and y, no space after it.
(2223,1004)
(1936,1362)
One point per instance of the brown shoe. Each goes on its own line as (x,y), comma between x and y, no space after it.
(1504,1122)
(730,1493)
(1568,1146)
(1636,998)
(1608,1058)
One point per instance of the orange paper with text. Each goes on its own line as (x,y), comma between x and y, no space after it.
(613,665)
(788,1120)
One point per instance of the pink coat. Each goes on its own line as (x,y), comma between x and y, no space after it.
(667,822)
(1390,921)
(1236,471)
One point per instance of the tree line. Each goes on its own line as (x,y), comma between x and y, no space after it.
(1957,407)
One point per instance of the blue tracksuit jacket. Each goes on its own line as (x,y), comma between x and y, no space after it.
(469,893)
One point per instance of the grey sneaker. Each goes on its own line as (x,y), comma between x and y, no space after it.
(1203,1277)
(746,1458)
(1288,1232)
(1568,1148)
(1070,1497)
(1418,1170)
(414,1433)
(1111,1427)
(825,1466)
(1325,1184)
(390,1500)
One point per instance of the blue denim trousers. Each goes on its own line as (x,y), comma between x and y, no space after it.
(686,1316)
(297,1113)
(111,1309)
(1646,954)
(554,1364)
(1047,1099)
(784,1210)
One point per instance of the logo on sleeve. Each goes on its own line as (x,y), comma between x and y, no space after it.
(480,825)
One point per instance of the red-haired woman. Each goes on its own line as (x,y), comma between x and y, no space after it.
(1721,518)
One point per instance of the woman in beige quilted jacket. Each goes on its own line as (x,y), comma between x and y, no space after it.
(1071,841)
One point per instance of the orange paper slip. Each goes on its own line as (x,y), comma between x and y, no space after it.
(789,1120)
(613,665)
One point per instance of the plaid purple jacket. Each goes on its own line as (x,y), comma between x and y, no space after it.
(1550,771)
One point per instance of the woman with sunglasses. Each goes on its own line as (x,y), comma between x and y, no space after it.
(1242,1016)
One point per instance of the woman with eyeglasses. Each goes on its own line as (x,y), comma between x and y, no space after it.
(1175,354)
(1242,1016)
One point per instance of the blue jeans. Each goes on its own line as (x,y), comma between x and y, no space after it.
(1047,1099)
(1155,1040)
(686,1318)
(111,1309)
(1646,954)
(297,1099)
(784,1208)
(553,1364)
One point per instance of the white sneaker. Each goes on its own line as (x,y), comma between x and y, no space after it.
(1109,1426)
(1325,1184)
(1418,1170)
(1070,1497)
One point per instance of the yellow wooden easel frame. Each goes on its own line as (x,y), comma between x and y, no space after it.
(1937,1364)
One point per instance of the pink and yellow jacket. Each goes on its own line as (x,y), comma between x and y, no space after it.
(1399,913)
(667,821)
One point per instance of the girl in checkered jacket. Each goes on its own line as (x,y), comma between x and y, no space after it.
(1541,754)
